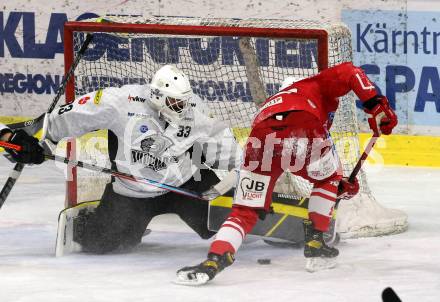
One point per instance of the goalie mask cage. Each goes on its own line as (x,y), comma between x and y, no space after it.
(233,65)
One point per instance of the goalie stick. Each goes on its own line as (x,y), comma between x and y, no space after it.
(33,126)
(112,172)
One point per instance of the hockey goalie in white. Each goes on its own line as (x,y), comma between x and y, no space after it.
(160,131)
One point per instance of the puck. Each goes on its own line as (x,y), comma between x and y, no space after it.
(263,261)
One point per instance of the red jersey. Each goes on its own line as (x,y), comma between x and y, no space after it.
(319,94)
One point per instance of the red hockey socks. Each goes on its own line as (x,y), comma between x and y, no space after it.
(231,234)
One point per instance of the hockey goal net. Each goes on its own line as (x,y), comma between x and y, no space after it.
(233,65)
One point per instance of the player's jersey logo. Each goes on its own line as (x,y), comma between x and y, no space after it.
(156,144)
(272,102)
(143,128)
(151,155)
(251,189)
(147,143)
(150,161)
(365,86)
(83,100)
(147,160)
(136,99)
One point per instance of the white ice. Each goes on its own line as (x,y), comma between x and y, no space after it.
(408,262)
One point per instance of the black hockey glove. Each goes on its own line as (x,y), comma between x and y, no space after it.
(31,153)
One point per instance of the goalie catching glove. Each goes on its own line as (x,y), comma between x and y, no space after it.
(31,152)
(381,117)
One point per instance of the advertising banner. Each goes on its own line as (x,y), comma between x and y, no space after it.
(400,52)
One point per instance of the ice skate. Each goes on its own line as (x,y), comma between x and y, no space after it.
(205,271)
(318,254)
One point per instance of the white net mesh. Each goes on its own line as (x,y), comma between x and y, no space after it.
(232,74)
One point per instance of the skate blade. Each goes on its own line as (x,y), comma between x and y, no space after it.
(182,279)
(318,263)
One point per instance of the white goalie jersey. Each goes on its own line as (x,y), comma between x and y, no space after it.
(143,144)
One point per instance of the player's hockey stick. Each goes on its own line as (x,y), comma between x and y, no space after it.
(363,157)
(355,172)
(32,126)
(112,172)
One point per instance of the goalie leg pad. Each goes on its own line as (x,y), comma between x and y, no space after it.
(65,243)
(118,223)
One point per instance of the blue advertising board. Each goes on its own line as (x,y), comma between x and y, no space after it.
(400,52)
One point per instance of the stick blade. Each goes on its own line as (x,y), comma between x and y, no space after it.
(389,295)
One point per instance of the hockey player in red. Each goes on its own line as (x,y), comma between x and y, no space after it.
(291,132)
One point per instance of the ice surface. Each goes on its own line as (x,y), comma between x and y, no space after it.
(408,262)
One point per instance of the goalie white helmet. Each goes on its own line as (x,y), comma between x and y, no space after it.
(289,81)
(170,92)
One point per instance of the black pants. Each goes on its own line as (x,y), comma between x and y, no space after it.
(119,221)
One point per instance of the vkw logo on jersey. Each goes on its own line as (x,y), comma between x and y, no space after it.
(251,189)
(136,99)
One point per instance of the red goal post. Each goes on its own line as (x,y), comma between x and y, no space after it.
(254,67)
